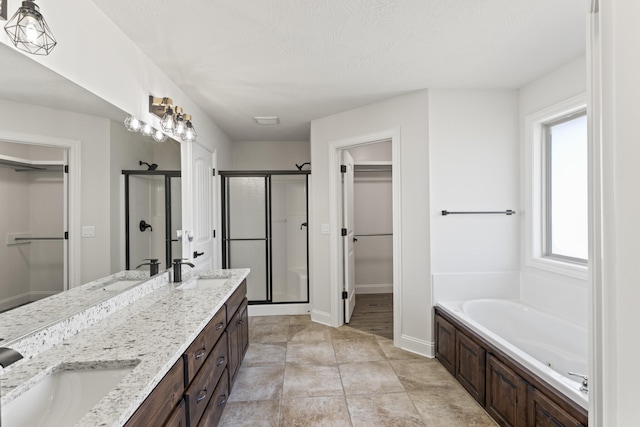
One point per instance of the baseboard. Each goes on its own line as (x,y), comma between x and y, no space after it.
(321,317)
(278,309)
(376,288)
(14,301)
(421,347)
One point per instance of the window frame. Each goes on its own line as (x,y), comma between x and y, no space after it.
(535,190)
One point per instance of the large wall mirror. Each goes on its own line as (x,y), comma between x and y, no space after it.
(36,207)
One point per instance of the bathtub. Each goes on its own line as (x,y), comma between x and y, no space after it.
(548,346)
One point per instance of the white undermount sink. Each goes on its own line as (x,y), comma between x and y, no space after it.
(119,285)
(203,283)
(64,396)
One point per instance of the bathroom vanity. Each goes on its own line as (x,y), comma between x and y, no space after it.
(177,349)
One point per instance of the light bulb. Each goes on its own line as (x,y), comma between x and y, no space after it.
(167,123)
(180,126)
(189,134)
(146,129)
(132,124)
(158,136)
(30,29)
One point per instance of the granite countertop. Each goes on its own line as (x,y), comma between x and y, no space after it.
(150,333)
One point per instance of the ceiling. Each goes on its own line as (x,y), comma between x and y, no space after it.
(305,59)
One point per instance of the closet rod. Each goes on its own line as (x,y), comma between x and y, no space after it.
(38,238)
(507,212)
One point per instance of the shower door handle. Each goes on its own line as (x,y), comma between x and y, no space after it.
(196,254)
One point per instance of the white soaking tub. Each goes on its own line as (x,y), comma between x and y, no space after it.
(550,347)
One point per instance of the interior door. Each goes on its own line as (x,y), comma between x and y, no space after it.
(202,247)
(348,236)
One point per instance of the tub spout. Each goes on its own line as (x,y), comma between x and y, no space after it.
(585,381)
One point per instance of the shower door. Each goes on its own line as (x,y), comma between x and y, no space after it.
(264,227)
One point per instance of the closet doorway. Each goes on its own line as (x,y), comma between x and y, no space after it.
(34,219)
(372,199)
(264,228)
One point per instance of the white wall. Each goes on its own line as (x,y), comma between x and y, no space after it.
(473,164)
(409,114)
(562,295)
(269,155)
(617,293)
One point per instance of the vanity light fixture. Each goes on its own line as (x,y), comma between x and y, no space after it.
(190,134)
(167,122)
(179,125)
(28,31)
(172,118)
(158,136)
(147,129)
(132,124)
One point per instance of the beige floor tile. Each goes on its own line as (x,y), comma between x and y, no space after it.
(311,353)
(300,319)
(384,410)
(309,332)
(422,374)
(395,353)
(268,332)
(258,383)
(369,377)
(264,413)
(271,320)
(259,354)
(364,349)
(315,411)
(347,332)
(450,407)
(311,381)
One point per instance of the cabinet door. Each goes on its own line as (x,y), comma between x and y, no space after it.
(544,413)
(244,329)
(214,410)
(179,416)
(506,394)
(446,344)
(162,401)
(470,366)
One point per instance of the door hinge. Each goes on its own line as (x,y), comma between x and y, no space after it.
(343,168)
(343,232)
(345,295)
(66,168)
(66,235)
(213,233)
(214,171)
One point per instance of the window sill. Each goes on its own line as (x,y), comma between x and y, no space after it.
(579,271)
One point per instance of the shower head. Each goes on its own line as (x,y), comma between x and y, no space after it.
(150,167)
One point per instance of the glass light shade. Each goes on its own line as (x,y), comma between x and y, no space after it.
(167,121)
(147,129)
(180,126)
(132,124)
(28,30)
(158,136)
(189,134)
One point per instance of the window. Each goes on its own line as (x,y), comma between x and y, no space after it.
(555,197)
(566,188)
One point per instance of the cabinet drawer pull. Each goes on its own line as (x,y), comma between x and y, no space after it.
(219,326)
(220,361)
(202,353)
(223,400)
(203,396)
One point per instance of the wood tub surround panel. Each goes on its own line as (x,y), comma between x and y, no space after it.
(195,391)
(508,391)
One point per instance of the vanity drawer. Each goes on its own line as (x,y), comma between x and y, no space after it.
(179,416)
(201,389)
(199,350)
(213,413)
(162,401)
(235,299)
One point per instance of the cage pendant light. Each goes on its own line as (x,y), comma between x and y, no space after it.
(28,30)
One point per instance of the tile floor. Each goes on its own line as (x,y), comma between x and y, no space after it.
(300,373)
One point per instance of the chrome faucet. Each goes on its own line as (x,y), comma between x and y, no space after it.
(8,356)
(153,264)
(177,269)
(585,381)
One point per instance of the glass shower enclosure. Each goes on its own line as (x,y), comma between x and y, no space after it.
(264,227)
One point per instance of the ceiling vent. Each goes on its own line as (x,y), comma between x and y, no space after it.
(267,120)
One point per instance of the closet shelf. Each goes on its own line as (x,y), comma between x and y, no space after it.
(23,165)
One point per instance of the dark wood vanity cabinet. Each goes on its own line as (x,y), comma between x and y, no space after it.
(508,391)
(195,391)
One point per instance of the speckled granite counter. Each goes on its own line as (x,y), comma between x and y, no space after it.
(152,333)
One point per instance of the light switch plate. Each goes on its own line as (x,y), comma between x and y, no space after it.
(88,231)
(325,229)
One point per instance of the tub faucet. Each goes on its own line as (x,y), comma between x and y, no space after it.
(153,264)
(177,269)
(585,381)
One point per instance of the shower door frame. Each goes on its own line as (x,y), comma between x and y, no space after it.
(266,174)
(167,211)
